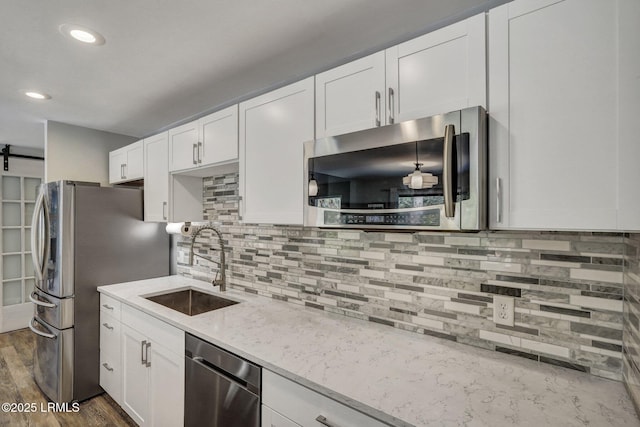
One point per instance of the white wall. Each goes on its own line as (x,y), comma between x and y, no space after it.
(79,153)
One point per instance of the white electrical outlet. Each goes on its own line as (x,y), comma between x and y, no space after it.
(503,310)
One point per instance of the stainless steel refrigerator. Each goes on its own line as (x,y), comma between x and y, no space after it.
(84,236)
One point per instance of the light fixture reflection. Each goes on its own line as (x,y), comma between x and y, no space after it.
(313,187)
(417,180)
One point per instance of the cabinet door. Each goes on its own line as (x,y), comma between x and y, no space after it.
(117,162)
(156,178)
(351,97)
(218,137)
(183,147)
(166,387)
(135,161)
(273,128)
(439,72)
(553,136)
(135,376)
(271,418)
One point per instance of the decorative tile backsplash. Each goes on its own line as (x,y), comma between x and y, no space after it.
(631,318)
(567,286)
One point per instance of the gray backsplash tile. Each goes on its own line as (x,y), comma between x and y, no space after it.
(443,284)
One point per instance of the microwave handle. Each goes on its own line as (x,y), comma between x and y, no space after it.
(447,172)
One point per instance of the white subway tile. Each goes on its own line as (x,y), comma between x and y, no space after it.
(375,274)
(428,260)
(616,354)
(462,241)
(547,245)
(542,347)
(464,308)
(372,255)
(348,288)
(600,303)
(500,338)
(596,275)
(430,323)
(399,237)
(398,296)
(348,235)
(501,266)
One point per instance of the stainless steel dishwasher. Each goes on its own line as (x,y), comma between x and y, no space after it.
(221,389)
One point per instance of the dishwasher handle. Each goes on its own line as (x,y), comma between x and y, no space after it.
(253,388)
(223,362)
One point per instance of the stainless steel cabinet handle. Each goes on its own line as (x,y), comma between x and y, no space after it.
(194,154)
(377,105)
(122,175)
(36,301)
(498,200)
(37,332)
(391,113)
(142,344)
(108,307)
(106,325)
(147,346)
(200,152)
(107,367)
(447,172)
(164,210)
(324,421)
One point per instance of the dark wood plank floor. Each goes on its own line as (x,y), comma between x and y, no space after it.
(17,386)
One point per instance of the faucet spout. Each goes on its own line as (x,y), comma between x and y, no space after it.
(222,282)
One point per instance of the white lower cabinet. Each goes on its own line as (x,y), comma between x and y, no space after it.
(142,366)
(288,404)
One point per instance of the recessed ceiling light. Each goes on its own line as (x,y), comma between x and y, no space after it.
(82,34)
(37,95)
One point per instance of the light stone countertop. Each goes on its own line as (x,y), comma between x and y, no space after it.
(399,377)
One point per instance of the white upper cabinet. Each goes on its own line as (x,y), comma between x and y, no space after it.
(207,141)
(273,128)
(439,72)
(126,163)
(558,158)
(218,137)
(156,178)
(351,97)
(183,147)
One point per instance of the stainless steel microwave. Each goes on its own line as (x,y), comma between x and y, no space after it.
(425,174)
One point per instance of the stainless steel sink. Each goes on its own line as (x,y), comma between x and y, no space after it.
(191,302)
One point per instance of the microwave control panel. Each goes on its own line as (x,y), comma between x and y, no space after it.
(429,217)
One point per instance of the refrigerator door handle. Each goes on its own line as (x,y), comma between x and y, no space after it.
(38,302)
(38,332)
(35,234)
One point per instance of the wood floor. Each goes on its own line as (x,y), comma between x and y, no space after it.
(17,386)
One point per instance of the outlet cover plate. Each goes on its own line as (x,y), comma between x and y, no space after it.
(503,310)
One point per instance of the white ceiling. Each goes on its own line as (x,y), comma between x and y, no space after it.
(168,60)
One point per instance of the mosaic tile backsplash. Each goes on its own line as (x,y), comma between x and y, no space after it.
(567,286)
(631,318)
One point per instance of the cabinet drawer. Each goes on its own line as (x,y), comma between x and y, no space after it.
(302,405)
(111,374)
(154,329)
(110,306)
(109,333)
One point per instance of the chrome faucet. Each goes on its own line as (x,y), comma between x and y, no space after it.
(222,282)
